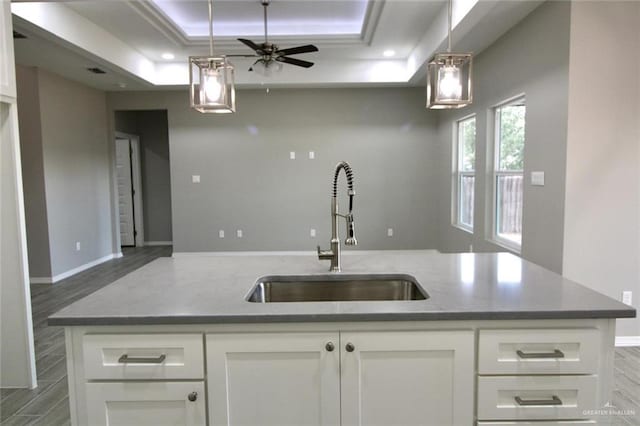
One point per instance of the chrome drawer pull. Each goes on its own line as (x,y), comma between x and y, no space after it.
(553,401)
(557,353)
(126,359)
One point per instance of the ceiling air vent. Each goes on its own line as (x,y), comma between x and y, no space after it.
(18,35)
(96,70)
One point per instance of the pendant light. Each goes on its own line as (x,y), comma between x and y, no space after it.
(449,76)
(211,77)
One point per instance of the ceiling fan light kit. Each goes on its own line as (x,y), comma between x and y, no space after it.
(211,79)
(449,84)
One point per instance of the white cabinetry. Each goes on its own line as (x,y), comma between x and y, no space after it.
(540,374)
(138,368)
(382,378)
(146,403)
(407,378)
(440,373)
(274,379)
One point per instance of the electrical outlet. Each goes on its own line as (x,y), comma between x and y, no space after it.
(389,232)
(195,179)
(292,155)
(312,155)
(312,233)
(77,245)
(239,233)
(627,297)
(221,233)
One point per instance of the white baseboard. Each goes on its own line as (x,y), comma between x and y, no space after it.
(118,255)
(158,243)
(627,340)
(70,272)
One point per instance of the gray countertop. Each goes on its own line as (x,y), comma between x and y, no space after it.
(212,289)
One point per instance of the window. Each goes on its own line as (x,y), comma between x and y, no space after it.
(509,173)
(465,172)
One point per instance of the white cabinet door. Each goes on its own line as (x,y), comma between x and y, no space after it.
(277,379)
(146,403)
(407,378)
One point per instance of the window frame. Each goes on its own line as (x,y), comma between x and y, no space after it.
(459,174)
(496,173)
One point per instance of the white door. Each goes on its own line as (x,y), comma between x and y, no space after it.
(278,379)
(407,378)
(146,403)
(125,194)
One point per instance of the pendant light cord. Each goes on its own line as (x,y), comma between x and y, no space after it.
(450,24)
(211,27)
(265,4)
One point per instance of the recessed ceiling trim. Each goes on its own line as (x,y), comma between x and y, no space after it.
(371,20)
(163,23)
(157,18)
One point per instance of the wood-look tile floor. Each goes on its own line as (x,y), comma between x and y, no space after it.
(48,404)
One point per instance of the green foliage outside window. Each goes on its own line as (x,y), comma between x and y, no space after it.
(511,125)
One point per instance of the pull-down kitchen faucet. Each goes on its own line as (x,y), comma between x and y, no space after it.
(334,253)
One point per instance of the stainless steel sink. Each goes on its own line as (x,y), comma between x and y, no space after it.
(336,288)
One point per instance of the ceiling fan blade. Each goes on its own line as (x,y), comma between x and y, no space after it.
(296,50)
(251,45)
(240,56)
(293,61)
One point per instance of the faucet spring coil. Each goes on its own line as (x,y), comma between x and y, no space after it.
(347,169)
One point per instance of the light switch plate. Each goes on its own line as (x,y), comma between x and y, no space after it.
(389,232)
(195,178)
(292,155)
(312,233)
(239,233)
(537,178)
(312,155)
(221,233)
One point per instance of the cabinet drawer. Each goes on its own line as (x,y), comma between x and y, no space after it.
(538,351)
(536,397)
(146,403)
(143,356)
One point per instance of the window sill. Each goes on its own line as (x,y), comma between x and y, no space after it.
(463,228)
(505,244)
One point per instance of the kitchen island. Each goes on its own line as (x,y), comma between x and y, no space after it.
(497,340)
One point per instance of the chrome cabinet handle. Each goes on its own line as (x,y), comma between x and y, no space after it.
(192,396)
(329,347)
(126,359)
(557,353)
(349,347)
(525,402)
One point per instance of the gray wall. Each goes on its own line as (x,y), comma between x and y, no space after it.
(33,172)
(153,129)
(530,59)
(248,181)
(602,222)
(75,163)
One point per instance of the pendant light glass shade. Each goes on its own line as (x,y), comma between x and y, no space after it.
(211,79)
(212,84)
(449,81)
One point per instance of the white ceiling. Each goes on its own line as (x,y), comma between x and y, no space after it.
(128,38)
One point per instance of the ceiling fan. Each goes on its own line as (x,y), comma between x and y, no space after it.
(270,56)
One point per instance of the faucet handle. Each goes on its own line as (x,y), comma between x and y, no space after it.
(324,254)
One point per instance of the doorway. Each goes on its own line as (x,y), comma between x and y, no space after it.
(129,185)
